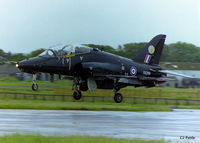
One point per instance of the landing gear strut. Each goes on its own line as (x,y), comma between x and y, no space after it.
(34,85)
(77,93)
(118,96)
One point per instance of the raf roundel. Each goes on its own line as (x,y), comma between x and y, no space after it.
(133,71)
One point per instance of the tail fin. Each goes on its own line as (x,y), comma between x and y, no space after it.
(151,53)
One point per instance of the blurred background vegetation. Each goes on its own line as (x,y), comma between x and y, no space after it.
(175,52)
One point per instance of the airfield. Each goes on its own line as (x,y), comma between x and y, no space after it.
(99,115)
(101,71)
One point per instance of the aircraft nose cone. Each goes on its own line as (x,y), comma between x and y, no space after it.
(17,65)
(21,65)
(31,65)
(27,65)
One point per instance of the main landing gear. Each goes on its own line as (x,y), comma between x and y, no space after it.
(77,93)
(118,98)
(34,85)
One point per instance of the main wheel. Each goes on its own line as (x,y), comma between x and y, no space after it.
(77,95)
(34,87)
(118,98)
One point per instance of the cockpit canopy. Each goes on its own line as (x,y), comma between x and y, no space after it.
(48,52)
(70,49)
(66,50)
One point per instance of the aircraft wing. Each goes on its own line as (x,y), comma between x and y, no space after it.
(153,78)
(174,74)
(114,76)
(144,78)
(102,69)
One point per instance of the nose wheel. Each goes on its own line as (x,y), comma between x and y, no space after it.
(77,93)
(34,85)
(118,98)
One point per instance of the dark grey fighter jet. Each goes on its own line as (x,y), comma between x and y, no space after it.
(92,68)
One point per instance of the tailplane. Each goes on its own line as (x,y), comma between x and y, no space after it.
(151,53)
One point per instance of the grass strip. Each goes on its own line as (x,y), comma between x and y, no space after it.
(96,106)
(17,138)
(64,87)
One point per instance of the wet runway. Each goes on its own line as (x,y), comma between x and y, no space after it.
(145,125)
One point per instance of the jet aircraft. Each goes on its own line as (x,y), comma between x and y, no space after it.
(91,68)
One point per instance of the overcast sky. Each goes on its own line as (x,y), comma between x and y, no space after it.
(27,25)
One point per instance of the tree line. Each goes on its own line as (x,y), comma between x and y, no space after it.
(175,52)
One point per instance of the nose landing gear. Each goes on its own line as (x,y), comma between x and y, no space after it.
(34,85)
(77,93)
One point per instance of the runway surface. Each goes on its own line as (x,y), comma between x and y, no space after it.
(145,125)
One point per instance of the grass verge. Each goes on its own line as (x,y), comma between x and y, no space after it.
(17,138)
(96,106)
(64,87)
(9,101)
